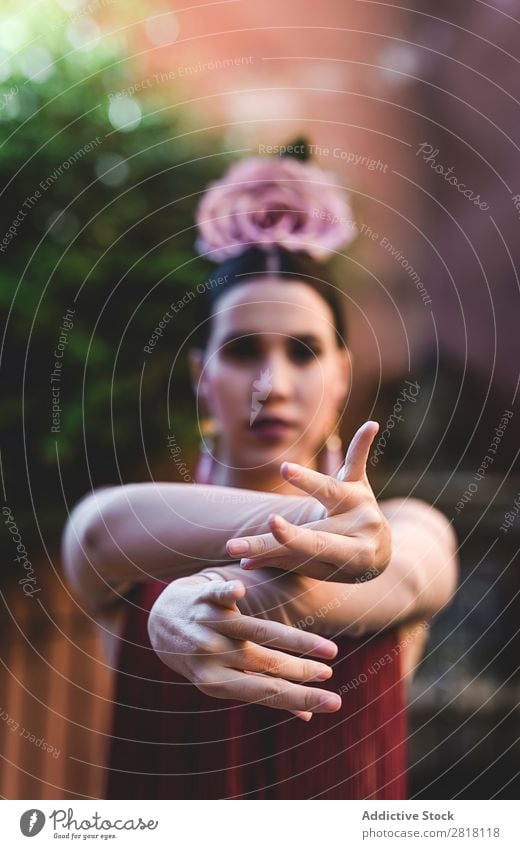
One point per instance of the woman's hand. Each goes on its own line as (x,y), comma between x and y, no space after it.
(196,629)
(353,543)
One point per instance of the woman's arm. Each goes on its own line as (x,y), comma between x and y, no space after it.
(214,640)
(419,581)
(119,536)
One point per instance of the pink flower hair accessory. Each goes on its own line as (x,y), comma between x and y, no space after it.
(281,201)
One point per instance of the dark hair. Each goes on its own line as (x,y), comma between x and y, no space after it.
(254,261)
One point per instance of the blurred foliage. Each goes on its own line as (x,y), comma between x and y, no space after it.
(110,236)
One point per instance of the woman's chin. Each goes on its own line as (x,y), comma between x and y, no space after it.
(271,454)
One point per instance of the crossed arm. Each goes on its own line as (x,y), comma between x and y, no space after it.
(225,634)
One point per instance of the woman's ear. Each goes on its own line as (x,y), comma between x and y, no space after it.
(196,366)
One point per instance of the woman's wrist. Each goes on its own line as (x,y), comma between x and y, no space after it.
(274,594)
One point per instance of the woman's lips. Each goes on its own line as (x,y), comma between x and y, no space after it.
(267,428)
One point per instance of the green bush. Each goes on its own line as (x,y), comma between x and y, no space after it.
(110,236)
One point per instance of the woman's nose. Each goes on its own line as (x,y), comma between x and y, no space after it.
(277,375)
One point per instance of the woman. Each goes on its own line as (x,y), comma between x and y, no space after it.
(327,613)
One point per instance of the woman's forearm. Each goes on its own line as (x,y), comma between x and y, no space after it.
(120,536)
(419,580)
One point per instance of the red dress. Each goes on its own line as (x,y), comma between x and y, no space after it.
(170,741)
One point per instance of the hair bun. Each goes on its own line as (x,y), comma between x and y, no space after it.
(267,201)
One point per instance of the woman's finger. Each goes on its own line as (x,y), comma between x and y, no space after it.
(329,491)
(255,658)
(273,544)
(259,544)
(306,715)
(315,553)
(302,714)
(265,632)
(355,467)
(332,493)
(271,692)
(223,593)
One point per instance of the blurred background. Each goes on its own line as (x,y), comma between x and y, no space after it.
(113,119)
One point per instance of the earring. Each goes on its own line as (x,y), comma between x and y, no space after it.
(208,433)
(206,462)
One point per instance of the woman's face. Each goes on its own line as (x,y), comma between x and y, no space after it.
(272,374)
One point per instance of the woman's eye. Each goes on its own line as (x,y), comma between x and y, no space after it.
(240,349)
(301,353)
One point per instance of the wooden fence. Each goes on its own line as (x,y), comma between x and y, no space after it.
(55,696)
